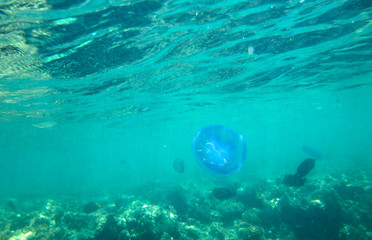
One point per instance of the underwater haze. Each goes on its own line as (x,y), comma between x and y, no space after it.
(98,99)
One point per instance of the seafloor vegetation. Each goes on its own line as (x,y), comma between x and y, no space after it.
(330,207)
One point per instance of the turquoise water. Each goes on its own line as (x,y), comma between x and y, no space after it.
(102,96)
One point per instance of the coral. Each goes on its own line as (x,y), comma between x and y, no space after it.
(250,232)
(76,221)
(23,236)
(202,209)
(19,222)
(322,209)
(40,221)
(216,231)
(176,198)
(193,232)
(312,219)
(252,216)
(249,196)
(108,229)
(146,221)
(230,210)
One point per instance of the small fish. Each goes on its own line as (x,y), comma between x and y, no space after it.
(11,206)
(179,165)
(125,163)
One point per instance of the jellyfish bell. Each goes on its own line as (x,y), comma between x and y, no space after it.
(219,150)
(312,152)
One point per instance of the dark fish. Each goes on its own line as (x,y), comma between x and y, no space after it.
(305,167)
(91,207)
(11,206)
(179,165)
(125,163)
(223,193)
(294,181)
(298,179)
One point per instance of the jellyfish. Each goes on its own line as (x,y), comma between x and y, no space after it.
(219,150)
(312,152)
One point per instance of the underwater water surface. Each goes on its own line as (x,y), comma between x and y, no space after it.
(100,102)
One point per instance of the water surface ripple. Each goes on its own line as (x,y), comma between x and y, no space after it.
(77,60)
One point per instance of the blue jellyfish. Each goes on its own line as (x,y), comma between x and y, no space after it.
(219,150)
(312,152)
